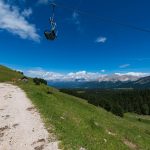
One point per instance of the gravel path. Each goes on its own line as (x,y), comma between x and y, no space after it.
(21,127)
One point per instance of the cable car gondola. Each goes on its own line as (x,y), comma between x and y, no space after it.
(51,34)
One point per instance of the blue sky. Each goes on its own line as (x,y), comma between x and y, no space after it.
(84,43)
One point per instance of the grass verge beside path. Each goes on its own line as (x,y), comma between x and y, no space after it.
(78,124)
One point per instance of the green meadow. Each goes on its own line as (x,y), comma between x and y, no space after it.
(77,124)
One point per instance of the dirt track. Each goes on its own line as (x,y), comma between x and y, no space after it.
(21,127)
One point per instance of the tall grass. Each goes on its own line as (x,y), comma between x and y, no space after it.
(78,124)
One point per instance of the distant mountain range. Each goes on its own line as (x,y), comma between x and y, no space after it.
(140,83)
(112,83)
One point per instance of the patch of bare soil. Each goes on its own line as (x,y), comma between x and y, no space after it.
(131,145)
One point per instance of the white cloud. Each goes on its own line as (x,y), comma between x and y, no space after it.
(84,75)
(72,76)
(44,74)
(129,76)
(136,74)
(101,39)
(103,71)
(27,12)
(124,66)
(14,22)
(74,19)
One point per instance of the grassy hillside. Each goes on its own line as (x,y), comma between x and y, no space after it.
(7,74)
(78,124)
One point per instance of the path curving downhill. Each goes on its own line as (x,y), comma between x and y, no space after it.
(21,127)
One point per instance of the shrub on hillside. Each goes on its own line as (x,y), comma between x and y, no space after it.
(20,72)
(24,77)
(39,81)
(49,92)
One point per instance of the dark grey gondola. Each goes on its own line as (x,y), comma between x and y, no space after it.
(50,35)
